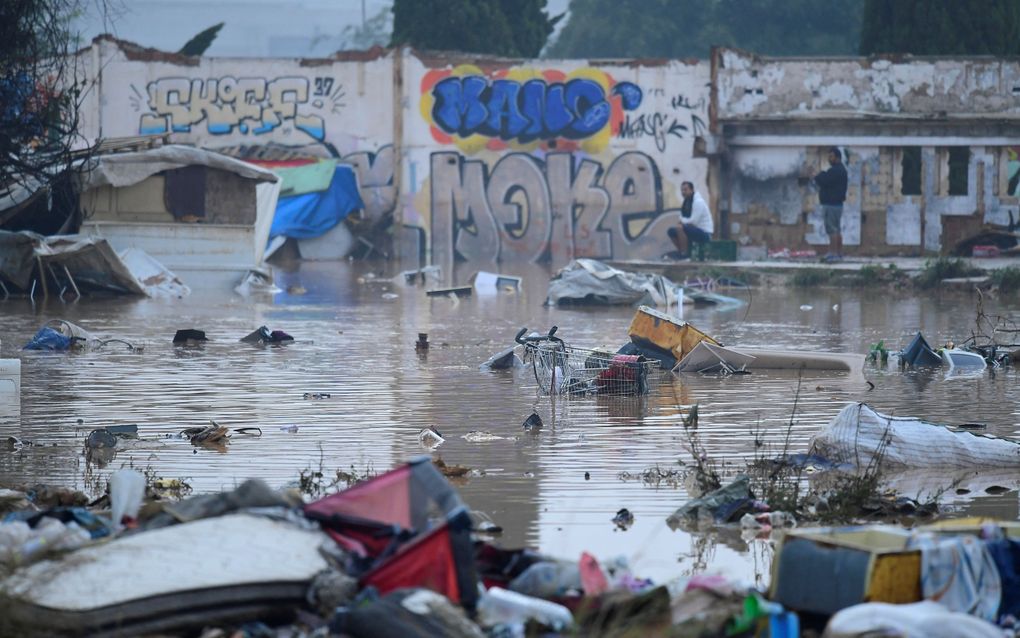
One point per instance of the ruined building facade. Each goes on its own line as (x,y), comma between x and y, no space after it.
(489,160)
(931,148)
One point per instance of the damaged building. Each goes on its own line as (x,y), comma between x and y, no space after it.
(930,146)
(484,159)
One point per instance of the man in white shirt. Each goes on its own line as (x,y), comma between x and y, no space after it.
(696,225)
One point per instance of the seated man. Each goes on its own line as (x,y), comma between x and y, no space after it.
(696,223)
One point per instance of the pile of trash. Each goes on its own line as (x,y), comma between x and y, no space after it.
(394,555)
(919,354)
(592,282)
(80,264)
(955,577)
(400,555)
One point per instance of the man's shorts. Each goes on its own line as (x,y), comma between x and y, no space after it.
(833,217)
(694,234)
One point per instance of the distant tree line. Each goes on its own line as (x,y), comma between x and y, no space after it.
(941,27)
(512,28)
(689,28)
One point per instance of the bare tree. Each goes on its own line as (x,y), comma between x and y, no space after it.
(42,88)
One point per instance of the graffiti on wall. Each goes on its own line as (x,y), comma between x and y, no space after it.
(250,106)
(524,109)
(683,119)
(375,179)
(564,206)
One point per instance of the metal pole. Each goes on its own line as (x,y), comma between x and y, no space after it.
(71,279)
(42,277)
(56,281)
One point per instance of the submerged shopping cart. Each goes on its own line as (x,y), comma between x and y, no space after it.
(564,369)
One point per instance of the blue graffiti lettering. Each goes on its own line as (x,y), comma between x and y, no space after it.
(630,95)
(525,112)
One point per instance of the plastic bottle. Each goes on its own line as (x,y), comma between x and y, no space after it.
(12,536)
(501,606)
(51,534)
(547,579)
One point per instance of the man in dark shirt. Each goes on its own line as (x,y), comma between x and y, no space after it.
(831,194)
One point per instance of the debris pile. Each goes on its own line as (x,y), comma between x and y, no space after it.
(366,561)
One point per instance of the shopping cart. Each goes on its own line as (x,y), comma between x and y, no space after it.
(563,369)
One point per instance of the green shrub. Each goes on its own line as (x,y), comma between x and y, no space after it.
(1006,279)
(808,277)
(935,270)
(874,274)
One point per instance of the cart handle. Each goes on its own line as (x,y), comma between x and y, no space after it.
(533,340)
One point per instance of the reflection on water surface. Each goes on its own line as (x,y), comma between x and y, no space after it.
(356,343)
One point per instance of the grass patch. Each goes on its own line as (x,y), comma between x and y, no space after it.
(935,270)
(1006,279)
(714,272)
(872,275)
(810,277)
(315,482)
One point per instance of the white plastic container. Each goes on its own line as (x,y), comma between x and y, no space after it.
(127,489)
(501,606)
(10,378)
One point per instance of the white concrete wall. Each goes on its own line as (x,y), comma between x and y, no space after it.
(751,86)
(565,158)
(587,164)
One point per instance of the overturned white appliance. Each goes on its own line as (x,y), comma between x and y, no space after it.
(858,435)
(773,359)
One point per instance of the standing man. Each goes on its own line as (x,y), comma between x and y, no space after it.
(831,195)
(696,225)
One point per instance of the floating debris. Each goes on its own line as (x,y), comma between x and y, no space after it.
(214,434)
(623,519)
(451,471)
(481,436)
(430,437)
(533,422)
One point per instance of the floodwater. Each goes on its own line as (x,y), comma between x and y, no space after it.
(355,342)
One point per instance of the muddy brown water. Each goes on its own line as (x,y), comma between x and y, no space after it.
(355,342)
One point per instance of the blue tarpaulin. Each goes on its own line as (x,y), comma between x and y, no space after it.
(48,339)
(312,214)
